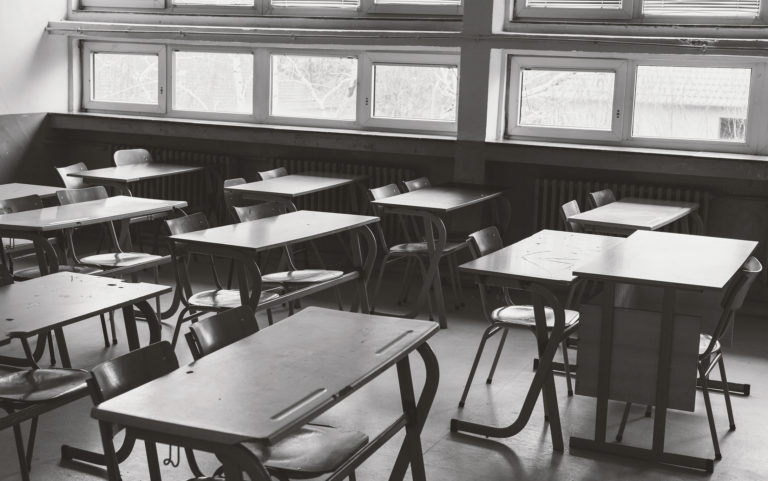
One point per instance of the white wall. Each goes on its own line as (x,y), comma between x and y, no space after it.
(33,65)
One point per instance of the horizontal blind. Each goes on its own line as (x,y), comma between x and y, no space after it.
(418,2)
(576,4)
(316,3)
(702,8)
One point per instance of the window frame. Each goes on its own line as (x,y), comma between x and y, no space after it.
(757,120)
(514,91)
(225,116)
(89,49)
(390,58)
(631,12)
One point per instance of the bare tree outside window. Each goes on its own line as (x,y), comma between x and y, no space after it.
(125,78)
(213,82)
(415,92)
(314,87)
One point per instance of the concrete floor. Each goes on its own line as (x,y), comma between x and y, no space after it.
(452,457)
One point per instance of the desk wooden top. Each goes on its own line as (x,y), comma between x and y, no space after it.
(38,305)
(86,213)
(671,260)
(11,191)
(635,214)
(547,257)
(277,231)
(126,174)
(295,185)
(271,382)
(440,199)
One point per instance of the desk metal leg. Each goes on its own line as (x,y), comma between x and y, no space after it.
(130,324)
(548,389)
(416,414)
(656,453)
(61,344)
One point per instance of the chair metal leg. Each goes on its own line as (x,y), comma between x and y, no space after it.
(496,358)
(567,367)
(270,320)
(727,394)
(31,441)
(23,467)
(152,461)
(104,330)
(192,462)
(490,331)
(179,321)
(378,283)
(648,410)
(352,476)
(157,299)
(710,415)
(49,340)
(623,424)
(403,297)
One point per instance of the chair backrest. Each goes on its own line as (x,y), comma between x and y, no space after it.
(131,157)
(75,196)
(568,210)
(187,223)
(20,204)
(231,199)
(485,241)
(72,182)
(221,330)
(383,192)
(234,182)
(6,278)
(600,198)
(131,370)
(733,299)
(259,211)
(271,174)
(415,184)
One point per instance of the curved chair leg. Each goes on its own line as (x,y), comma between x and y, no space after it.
(157,299)
(489,380)
(710,416)
(192,462)
(567,367)
(104,330)
(623,424)
(270,319)
(49,340)
(179,321)
(727,393)
(24,468)
(490,331)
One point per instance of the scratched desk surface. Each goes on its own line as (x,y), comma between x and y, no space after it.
(547,256)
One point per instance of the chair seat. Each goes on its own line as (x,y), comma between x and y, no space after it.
(225,298)
(523,316)
(313,450)
(303,276)
(120,259)
(421,248)
(17,245)
(704,340)
(34,272)
(39,385)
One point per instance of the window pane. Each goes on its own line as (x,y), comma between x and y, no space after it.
(566,99)
(247,3)
(702,8)
(415,92)
(691,103)
(576,4)
(314,87)
(125,78)
(213,82)
(418,2)
(317,3)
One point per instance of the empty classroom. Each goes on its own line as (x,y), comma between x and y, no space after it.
(445,240)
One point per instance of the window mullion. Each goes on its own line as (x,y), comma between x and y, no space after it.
(629,101)
(262,78)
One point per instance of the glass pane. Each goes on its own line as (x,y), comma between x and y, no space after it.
(213,82)
(316,3)
(415,92)
(576,4)
(125,78)
(314,87)
(246,3)
(702,8)
(691,103)
(566,99)
(418,2)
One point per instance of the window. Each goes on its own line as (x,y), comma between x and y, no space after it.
(124,77)
(566,98)
(677,11)
(283,7)
(691,103)
(675,101)
(313,87)
(417,91)
(218,3)
(213,82)
(321,88)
